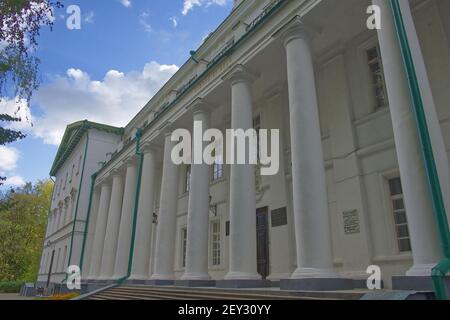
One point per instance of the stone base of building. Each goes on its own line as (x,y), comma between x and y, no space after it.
(242,284)
(135,281)
(362,284)
(417,283)
(194,283)
(159,282)
(317,284)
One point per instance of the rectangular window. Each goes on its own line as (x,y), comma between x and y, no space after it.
(183,246)
(217,171)
(401,222)
(377,77)
(65,181)
(79,165)
(60,187)
(71,173)
(55,191)
(215,243)
(187,184)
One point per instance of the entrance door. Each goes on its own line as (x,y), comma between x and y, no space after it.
(262,241)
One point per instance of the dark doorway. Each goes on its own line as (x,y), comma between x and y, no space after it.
(50,269)
(262,241)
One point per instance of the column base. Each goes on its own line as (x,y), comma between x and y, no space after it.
(195,276)
(194,283)
(242,276)
(420,270)
(159,282)
(242,283)
(317,284)
(308,273)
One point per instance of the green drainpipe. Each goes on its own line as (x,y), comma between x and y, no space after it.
(78,201)
(140,154)
(443,267)
(86,225)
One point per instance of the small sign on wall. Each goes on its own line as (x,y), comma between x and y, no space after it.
(351,222)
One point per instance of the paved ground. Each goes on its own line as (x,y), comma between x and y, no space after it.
(12,296)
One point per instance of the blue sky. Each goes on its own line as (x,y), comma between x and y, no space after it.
(106,71)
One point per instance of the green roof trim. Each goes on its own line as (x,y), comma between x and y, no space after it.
(73,134)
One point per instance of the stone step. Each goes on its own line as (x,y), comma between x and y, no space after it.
(141,292)
(253,292)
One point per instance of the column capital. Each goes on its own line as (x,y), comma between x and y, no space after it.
(297,29)
(167,129)
(240,73)
(199,105)
(116,172)
(149,147)
(130,161)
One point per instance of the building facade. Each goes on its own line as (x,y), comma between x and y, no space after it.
(351,190)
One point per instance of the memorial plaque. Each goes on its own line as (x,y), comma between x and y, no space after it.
(351,222)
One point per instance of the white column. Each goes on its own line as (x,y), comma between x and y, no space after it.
(419,210)
(166,228)
(126,221)
(310,205)
(142,247)
(198,209)
(242,261)
(91,231)
(100,230)
(434,126)
(112,227)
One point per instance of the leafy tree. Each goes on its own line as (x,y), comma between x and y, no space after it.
(20,24)
(23,218)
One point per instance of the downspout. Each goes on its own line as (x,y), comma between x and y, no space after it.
(78,201)
(140,154)
(443,267)
(86,225)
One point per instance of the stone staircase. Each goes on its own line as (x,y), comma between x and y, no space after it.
(140,292)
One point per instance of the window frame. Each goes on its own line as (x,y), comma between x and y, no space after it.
(374,86)
(393,212)
(183,246)
(212,250)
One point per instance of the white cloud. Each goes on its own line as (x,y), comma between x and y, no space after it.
(8,159)
(14,181)
(174,21)
(143,21)
(113,100)
(189,5)
(89,17)
(126,3)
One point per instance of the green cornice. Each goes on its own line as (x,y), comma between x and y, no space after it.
(73,134)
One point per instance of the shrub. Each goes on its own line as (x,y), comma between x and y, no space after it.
(10,286)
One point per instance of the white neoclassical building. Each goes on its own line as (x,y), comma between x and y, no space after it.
(351,190)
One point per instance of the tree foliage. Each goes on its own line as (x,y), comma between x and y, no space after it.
(20,25)
(23,218)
